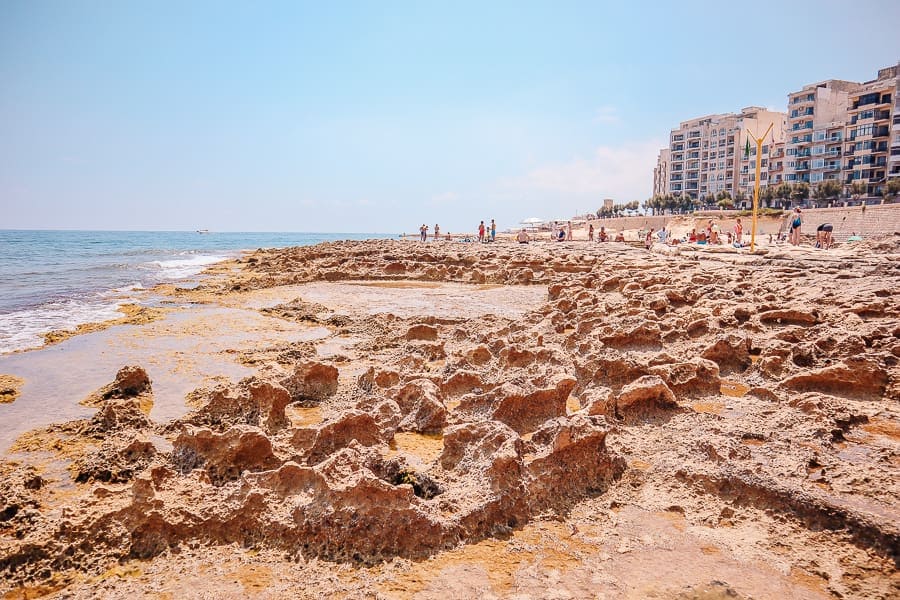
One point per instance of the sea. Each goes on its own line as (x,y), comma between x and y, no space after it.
(56,280)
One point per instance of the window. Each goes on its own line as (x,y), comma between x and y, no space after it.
(816,177)
(818,163)
(818,150)
(819,136)
(864,130)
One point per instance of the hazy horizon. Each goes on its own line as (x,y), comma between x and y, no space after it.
(373,118)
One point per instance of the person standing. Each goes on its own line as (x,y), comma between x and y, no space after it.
(493,230)
(481,231)
(738,230)
(569,232)
(591,232)
(796,224)
(437,232)
(663,235)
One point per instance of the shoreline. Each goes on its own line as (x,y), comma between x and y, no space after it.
(642,387)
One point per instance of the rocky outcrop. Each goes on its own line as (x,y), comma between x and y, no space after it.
(311,382)
(252,402)
(645,397)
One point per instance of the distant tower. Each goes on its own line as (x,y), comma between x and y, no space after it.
(608,203)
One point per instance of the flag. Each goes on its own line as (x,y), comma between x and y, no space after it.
(747,149)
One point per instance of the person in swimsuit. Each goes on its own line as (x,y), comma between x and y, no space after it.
(796,224)
(823,235)
(493,230)
(591,232)
(522,237)
(481,231)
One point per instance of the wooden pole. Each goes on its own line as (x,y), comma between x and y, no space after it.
(759,142)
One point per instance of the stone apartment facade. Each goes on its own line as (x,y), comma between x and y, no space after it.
(835,129)
(707,154)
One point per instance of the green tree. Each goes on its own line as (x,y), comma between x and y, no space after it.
(857,189)
(892,188)
(767,194)
(827,190)
(783,191)
(800,191)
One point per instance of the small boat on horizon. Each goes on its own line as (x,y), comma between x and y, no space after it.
(203,231)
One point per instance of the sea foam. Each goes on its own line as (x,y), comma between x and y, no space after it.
(180,268)
(24,329)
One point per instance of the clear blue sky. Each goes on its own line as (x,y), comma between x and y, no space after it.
(379,116)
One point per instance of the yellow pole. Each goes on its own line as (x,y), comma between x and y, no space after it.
(759,142)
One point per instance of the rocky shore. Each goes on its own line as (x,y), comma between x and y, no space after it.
(619,423)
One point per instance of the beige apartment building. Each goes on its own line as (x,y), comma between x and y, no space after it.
(817,115)
(835,129)
(872,134)
(706,155)
(661,173)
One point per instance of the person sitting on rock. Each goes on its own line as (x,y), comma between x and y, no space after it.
(522,237)
(603,236)
(620,237)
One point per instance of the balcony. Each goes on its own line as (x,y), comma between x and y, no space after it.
(802,167)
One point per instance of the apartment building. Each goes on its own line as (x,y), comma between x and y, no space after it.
(871,135)
(817,115)
(661,173)
(706,155)
(776,164)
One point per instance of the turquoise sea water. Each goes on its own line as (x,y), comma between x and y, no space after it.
(59,279)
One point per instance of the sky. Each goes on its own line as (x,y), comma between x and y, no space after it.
(381,116)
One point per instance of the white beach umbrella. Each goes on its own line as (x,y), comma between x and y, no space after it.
(532,222)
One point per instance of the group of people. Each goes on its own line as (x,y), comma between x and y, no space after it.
(423,233)
(487,235)
(711,234)
(824,232)
(602,235)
